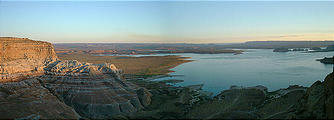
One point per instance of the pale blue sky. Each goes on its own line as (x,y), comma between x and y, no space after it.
(167,22)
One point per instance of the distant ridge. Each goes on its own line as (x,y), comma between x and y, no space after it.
(12,38)
(280,44)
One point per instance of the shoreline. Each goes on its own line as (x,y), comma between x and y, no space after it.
(191,102)
(183,59)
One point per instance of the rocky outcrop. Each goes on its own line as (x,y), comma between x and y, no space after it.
(28,99)
(20,57)
(94,90)
(294,102)
(279,102)
(317,103)
(240,101)
(49,88)
(327,60)
(249,103)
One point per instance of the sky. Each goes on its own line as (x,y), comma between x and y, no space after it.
(166,21)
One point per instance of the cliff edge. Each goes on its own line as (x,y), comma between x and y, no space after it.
(317,103)
(20,57)
(32,77)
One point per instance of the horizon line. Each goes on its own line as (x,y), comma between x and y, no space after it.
(171,42)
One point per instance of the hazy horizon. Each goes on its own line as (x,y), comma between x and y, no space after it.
(167,21)
(183,42)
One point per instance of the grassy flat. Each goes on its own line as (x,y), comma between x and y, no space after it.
(147,65)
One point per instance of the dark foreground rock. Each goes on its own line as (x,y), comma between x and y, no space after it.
(295,102)
(28,99)
(317,103)
(247,103)
(327,60)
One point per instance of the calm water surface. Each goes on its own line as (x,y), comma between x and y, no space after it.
(255,67)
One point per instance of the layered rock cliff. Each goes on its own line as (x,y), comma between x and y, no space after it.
(33,78)
(20,57)
(94,90)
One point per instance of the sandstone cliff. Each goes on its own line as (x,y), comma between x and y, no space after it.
(20,57)
(94,90)
(32,77)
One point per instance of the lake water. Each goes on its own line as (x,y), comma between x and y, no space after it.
(255,67)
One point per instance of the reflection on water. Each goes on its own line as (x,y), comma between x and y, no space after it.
(255,67)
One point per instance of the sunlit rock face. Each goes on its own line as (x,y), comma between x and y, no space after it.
(20,57)
(94,90)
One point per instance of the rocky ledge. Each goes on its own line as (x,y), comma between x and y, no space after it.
(94,90)
(28,99)
(326,60)
(34,84)
(317,103)
(294,102)
(20,57)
